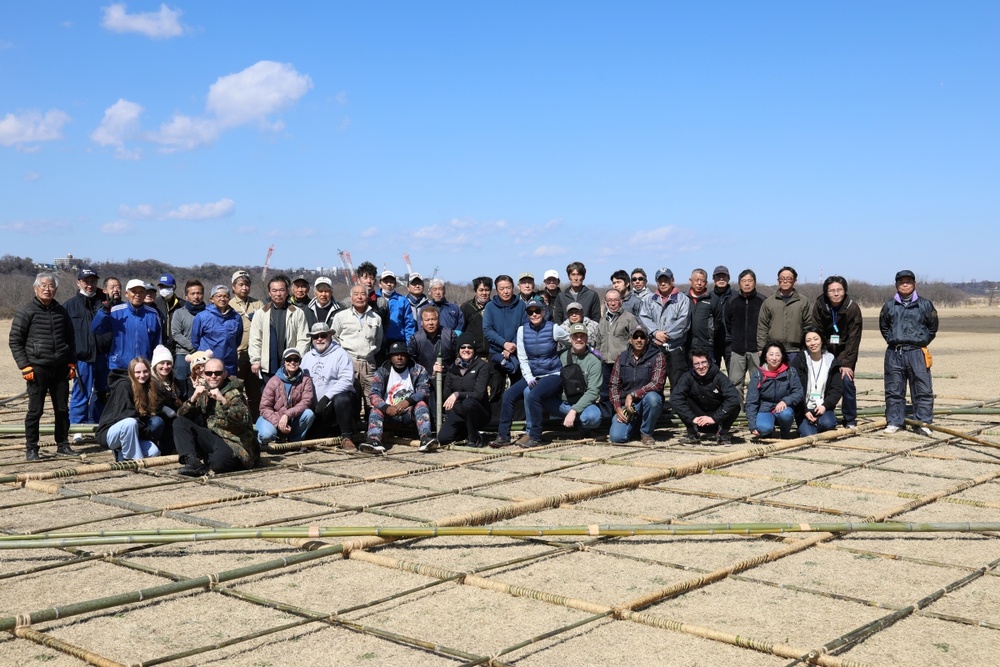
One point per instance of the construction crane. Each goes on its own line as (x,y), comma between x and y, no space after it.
(343,262)
(267,263)
(409,269)
(434,275)
(352,276)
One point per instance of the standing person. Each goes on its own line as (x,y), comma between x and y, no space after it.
(332,373)
(640,284)
(666,316)
(577,292)
(213,426)
(299,290)
(636,389)
(721,294)
(784,315)
(551,292)
(526,287)
(630,302)
(275,327)
(702,312)
(612,337)
(908,323)
(134,326)
(472,311)
(359,331)
(181,324)
(416,297)
(323,306)
(840,322)
(113,290)
(43,345)
(819,373)
(742,314)
(246,306)
(449,314)
(466,404)
(705,400)
(219,328)
(127,426)
(398,395)
(400,324)
(775,393)
(501,319)
(167,303)
(286,404)
(91,384)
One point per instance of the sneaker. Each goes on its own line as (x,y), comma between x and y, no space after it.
(890,429)
(923,430)
(850,424)
(31,454)
(529,443)
(348,445)
(77,438)
(65,450)
(428,444)
(374,447)
(647,439)
(724,439)
(498,442)
(691,439)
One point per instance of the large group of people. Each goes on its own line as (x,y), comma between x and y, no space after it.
(216,379)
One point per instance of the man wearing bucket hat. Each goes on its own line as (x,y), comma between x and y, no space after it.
(399,396)
(332,373)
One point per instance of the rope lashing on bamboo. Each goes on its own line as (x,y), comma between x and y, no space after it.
(953,432)
(137,464)
(65,647)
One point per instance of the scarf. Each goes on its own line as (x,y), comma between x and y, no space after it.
(193,309)
(766,374)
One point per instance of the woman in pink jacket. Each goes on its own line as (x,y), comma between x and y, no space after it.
(286,404)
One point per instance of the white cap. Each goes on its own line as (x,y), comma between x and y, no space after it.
(135,282)
(551,273)
(323,280)
(388,273)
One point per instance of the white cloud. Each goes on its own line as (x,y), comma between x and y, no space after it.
(120,123)
(249,97)
(31,176)
(210,211)
(341,98)
(31,127)
(549,251)
(669,236)
(5,44)
(162,24)
(34,227)
(117,227)
(196,211)
(368,233)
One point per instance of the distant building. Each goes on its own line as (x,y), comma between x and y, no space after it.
(65,263)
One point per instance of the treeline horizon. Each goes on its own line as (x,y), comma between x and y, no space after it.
(18,273)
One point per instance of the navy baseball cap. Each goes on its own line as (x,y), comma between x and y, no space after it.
(168,280)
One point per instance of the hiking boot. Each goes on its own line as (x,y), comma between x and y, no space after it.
(348,445)
(498,442)
(647,439)
(372,447)
(524,437)
(193,467)
(65,450)
(529,443)
(428,444)
(690,439)
(31,454)
(890,429)
(724,439)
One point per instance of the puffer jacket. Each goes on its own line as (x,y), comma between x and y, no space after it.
(283,395)
(231,421)
(765,393)
(713,393)
(912,323)
(42,335)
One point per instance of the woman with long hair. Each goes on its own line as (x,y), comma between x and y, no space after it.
(170,395)
(126,425)
(774,394)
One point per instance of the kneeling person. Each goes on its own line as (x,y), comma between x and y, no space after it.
(706,400)
(466,404)
(285,405)
(636,388)
(399,395)
(213,426)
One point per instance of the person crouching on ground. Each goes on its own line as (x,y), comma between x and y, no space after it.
(398,395)
(773,394)
(332,373)
(636,388)
(822,385)
(285,404)
(213,426)
(466,405)
(170,395)
(127,426)
(706,400)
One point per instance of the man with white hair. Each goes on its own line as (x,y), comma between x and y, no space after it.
(358,329)
(450,314)
(91,383)
(332,373)
(134,326)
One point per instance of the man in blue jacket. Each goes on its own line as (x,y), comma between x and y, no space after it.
(400,325)
(501,317)
(134,327)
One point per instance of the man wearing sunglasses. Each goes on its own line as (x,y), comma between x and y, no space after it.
(636,389)
(332,373)
(213,429)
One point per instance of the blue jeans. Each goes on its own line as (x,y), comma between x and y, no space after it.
(124,435)
(267,432)
(766,421)
(552,403)
(902,367)
(826,422)
(849,401)
(647,413)
(182,369)
(545,385)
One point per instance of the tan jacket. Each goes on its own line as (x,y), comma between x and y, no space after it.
(260,335)
(360,338)
(246,309)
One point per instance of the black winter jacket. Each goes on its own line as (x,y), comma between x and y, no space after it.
(81,311)
(42,335)
(913,323)
(470,385)
(713,394)
(742,313)
(834,385)
(120,405)
(849,326)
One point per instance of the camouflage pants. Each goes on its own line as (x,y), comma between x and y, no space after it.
(418,413)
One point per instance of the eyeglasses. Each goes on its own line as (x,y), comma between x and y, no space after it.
(699,364)
(213,374)
(292,360)
(638,279)
(467,347)
(639,336)
(612,301)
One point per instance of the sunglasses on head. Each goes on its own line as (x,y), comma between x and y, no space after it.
(213,374)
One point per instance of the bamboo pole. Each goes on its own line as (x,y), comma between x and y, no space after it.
(952,432)
(65,647)
(138,464)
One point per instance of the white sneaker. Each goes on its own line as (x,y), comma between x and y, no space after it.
(891,428)
(923,430)
(373,447)
(77,438)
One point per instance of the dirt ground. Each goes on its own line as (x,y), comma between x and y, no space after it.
(838,599)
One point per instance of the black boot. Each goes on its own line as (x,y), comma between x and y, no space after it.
(193,467)
(31,453)
(65,450)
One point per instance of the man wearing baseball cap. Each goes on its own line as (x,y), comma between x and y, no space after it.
(246,306)
(167,302)
(91,381)
(908,323)
(399,395)
(666,317)
(323,306)
(133,326)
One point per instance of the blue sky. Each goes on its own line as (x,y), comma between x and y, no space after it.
(484,138)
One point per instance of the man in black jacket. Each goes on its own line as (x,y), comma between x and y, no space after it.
(41,340)
(91,386)
(741,314)
(705,400)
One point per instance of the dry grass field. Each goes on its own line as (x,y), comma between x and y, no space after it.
(774,599)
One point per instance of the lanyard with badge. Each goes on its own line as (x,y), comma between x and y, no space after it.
(835,336)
